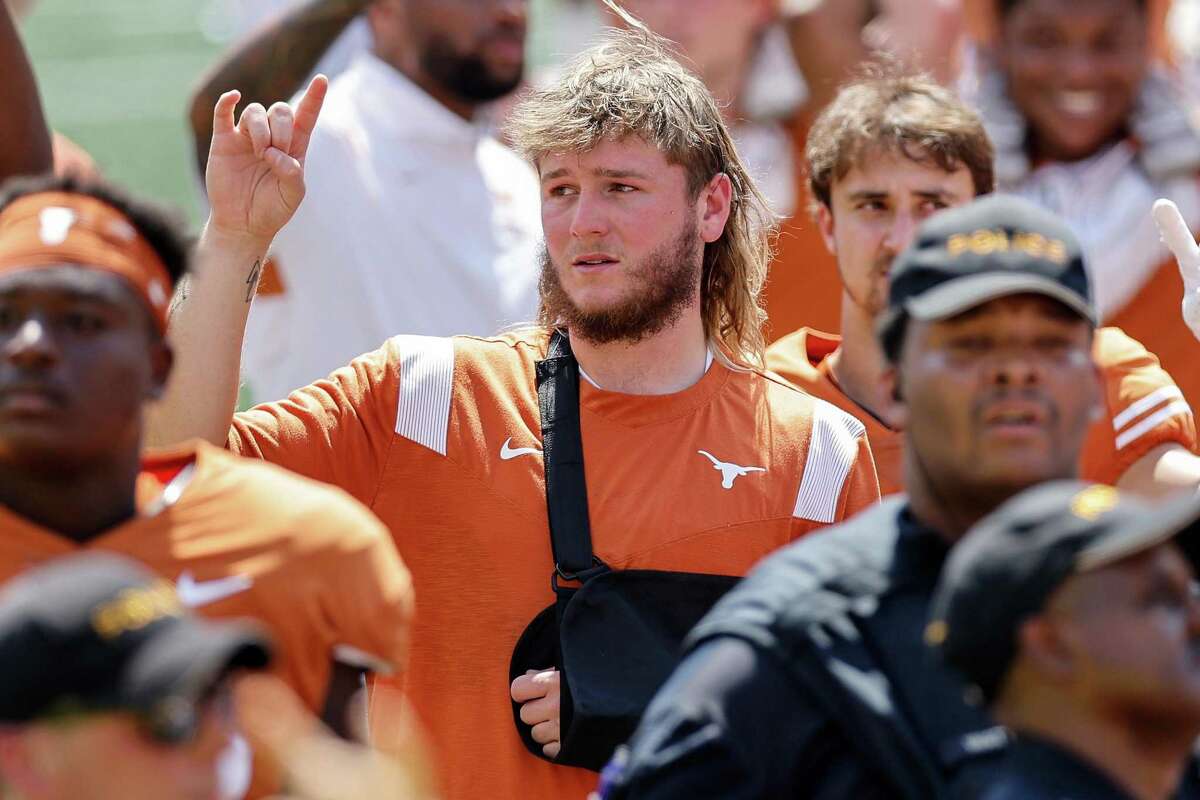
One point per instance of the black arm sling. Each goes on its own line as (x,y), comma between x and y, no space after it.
(614,635)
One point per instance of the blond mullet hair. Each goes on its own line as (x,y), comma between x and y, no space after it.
(630,84)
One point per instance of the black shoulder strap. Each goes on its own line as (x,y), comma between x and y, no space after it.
(562,454)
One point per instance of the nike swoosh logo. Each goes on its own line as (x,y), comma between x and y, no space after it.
(507,452)
(193,593)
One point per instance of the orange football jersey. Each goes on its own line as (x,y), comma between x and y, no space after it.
(1144,407)
(246,539)
(803,285)
(442,438)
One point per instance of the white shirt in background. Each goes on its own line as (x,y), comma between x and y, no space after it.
(415,221)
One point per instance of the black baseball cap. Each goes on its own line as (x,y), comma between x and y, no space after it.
(1007,566)
(98,632)
(995,246)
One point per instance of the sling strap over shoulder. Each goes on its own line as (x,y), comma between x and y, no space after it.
(562,454)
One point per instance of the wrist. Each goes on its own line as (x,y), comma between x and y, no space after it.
(233,243)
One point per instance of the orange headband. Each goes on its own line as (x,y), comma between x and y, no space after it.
(49,229)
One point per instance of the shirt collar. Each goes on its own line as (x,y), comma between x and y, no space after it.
(920,551)
(1044,763)
(708,359)
(395,105)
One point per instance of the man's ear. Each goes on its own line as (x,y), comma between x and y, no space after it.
(162,358)
(825,226)
(1043,647)
(1099,406)
(893,389)
(715,203)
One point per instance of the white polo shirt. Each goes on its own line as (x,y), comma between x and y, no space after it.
(416,221)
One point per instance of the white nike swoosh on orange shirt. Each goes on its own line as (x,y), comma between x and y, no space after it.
(193,593)
(507,452)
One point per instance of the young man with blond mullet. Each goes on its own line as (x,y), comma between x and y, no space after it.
(890,151)
(695,459)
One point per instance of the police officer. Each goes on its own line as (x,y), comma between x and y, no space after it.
(811,679)
(1072,609)
(111,689)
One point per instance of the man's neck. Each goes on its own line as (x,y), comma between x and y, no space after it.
(79,504)
(948,506)
(409,68)
(858,364)
(668,361)
(1148,764)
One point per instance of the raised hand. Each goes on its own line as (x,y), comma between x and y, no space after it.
(255,173)
(1176,235)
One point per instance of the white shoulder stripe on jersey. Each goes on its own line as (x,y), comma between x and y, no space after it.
(426,386)
(1145,404)
(1179,407)
(831,453)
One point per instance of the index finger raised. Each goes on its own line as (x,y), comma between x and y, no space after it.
(307,112)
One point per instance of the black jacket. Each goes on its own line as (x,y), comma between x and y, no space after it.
(811,679)
(1040,770)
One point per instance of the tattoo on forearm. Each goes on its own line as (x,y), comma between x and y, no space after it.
(252,280)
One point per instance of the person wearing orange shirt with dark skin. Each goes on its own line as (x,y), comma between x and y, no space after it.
(889,152)
(86,275)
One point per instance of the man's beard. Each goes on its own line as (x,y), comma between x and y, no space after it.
(875,301)
(465,75)
(662,285)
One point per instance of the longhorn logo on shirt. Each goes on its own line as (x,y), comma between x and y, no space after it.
(729,472)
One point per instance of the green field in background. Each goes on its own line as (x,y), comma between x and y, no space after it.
(115,76)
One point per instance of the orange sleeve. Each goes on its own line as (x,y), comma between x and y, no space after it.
(337,430)
(1144,409)
(369,601)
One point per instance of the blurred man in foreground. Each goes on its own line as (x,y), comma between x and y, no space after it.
(1074,611)
(112,690)
(86,275)
(890,151)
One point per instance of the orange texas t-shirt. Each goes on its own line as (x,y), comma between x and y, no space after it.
(1144,408)
(247,539)
(442,438)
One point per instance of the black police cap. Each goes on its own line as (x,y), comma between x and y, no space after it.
(993,247)
(97,632)
(1007,566)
